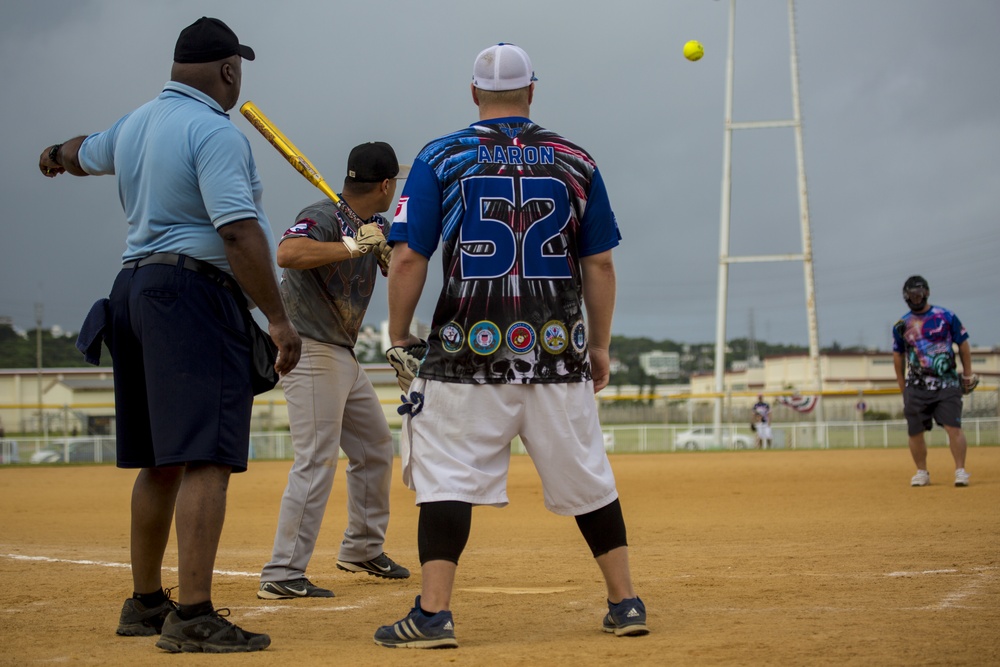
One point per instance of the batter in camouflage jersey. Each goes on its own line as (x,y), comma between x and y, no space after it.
(332,406)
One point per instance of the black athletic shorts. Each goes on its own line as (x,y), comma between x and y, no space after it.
(921,406)
(181,367)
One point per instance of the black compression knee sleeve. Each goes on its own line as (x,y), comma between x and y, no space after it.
(443,530)
(604,529)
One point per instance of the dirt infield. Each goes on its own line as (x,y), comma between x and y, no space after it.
(779,557)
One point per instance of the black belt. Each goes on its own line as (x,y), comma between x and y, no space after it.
(189,263)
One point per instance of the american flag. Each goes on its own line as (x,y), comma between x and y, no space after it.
(799,403)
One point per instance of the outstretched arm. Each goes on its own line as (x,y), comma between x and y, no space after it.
(62,158)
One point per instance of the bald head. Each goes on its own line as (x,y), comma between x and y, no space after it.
(220,79)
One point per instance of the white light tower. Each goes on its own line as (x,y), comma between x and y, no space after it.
(725,259)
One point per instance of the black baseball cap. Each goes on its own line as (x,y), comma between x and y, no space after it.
(207,40)
(374,162)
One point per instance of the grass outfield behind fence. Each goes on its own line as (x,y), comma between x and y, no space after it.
(639,438)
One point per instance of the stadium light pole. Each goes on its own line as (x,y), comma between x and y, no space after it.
(725,259)
(807,256)
(727,192)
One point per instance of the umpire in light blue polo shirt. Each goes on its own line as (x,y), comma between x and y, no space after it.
(198,246)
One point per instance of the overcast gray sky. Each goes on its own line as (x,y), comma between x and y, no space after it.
(900,105)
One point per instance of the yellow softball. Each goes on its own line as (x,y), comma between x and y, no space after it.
(693,50)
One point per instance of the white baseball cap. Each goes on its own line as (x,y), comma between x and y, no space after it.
(502,67)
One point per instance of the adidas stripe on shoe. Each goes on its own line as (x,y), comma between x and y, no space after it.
(419,631)
(627,618)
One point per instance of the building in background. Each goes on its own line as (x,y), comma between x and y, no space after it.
(661,365)
(81,400)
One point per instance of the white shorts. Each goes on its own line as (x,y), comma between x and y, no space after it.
(457,447)
(764,431)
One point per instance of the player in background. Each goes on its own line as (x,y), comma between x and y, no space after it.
(761,415)
(923,341)
(175,323)
(330,259)
(526,232)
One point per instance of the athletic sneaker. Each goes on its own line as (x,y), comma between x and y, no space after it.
(419,631)
(293,588)
(137,620)
(627,618)
(961,477)
(922,478)
(380,566)
(209,633)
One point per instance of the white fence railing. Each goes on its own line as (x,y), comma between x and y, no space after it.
(618,439)
(805,435)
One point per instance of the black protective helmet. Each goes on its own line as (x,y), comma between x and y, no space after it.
(915,293)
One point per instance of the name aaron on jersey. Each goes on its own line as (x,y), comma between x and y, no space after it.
(516,155)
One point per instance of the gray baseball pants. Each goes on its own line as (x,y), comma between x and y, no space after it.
(331,406)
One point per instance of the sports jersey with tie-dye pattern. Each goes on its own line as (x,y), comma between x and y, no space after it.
(926,340)
(514,207)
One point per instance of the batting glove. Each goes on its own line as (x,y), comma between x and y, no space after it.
(406,360)
(369,237)
(384,256)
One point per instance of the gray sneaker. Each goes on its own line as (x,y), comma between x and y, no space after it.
(293,588)
(380,566)
(137,620)
(210,633)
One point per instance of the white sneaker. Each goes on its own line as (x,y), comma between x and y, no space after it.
(922,478)
(961,477)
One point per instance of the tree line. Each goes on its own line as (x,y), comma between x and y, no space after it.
(20,351)
(694,357)
(59,351)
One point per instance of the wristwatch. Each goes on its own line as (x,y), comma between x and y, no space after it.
(54,154)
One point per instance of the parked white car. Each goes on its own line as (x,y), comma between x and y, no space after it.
(705,437)
(77,450)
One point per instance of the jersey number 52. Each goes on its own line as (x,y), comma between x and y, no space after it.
(496,239)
